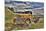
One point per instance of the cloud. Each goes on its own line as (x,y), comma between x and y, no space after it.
(31,0)
(28,0)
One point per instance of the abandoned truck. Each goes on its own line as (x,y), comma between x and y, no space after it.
(23,17)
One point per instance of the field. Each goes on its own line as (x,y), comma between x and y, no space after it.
(9,25)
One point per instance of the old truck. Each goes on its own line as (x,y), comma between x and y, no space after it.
(23,17)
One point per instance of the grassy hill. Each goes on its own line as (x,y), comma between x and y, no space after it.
(8,15)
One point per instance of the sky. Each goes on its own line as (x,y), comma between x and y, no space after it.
(28,0)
